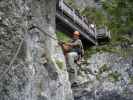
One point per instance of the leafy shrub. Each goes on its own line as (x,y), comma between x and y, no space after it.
(62,36)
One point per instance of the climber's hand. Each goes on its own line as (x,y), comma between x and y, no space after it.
(61,42)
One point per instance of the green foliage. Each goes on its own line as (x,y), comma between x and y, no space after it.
(89,52)
(60,64)
(40,89)
(117,15)
(71,3)
(105,48)
(113,47)
(130,80)
(62,36)
(120,14)
(95,15)
(103,68)
(98,76)
(114,76)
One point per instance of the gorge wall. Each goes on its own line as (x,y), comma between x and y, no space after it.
(32,65)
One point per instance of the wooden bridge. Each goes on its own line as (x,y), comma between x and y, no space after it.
(69,20)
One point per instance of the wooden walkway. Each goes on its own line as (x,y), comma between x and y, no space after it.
(72,20)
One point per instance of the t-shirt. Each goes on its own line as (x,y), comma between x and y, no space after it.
(77,46)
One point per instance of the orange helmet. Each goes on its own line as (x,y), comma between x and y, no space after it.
(76,33)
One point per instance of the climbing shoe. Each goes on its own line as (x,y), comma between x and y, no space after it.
(74,84)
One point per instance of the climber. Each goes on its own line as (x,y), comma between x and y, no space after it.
(73,52)
(74,48)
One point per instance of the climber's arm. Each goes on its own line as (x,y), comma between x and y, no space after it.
(76,43)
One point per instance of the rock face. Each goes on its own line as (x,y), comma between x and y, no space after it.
(32,65)
(108,77)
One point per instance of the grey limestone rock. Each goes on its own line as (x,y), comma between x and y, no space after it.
(34,73)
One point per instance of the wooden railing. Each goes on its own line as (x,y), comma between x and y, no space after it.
(103,32)
(81,22)
(75,16)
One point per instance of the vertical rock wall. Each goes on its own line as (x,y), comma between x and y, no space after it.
(32,65)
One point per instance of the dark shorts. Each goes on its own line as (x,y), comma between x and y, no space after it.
(79,51)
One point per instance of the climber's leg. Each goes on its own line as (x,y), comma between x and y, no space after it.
(71,57)
(72,67)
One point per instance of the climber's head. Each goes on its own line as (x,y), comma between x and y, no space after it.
(76,34)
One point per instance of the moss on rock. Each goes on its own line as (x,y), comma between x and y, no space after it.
(114,76)
(60,64)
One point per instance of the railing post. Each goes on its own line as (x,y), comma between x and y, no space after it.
(109,35)
(61,1)
(106,31)
(61,4)
(74,15)
(82,22)
(95,31)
